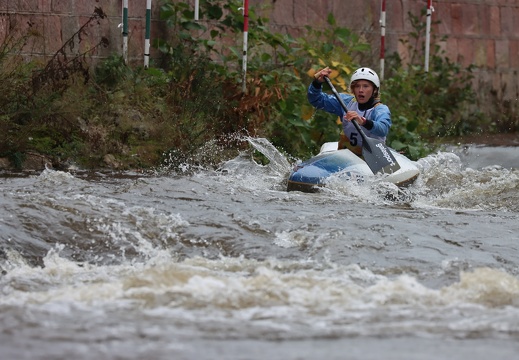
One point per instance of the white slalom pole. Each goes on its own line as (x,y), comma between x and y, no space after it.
(382,38)
(125,31)
(428,34)
(197,7)
(245,43)
(147,35)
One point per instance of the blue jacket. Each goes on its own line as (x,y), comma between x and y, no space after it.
(379,115)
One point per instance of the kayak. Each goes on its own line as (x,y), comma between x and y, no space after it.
(310,175)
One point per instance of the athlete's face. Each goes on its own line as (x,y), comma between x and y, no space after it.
(363,90)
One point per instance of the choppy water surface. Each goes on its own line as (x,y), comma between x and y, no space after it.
(228,265)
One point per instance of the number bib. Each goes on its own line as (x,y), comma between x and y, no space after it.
(346,143)
(350,138)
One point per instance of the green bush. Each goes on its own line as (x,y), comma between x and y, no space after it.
(190,104)
(426,106)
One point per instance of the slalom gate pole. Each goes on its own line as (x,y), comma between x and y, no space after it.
(147,35)
(125,31)
(382,38)
(245,43)
(428,34)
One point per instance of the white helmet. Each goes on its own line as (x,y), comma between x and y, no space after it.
(365,74)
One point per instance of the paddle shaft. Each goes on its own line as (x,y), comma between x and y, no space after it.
(357,126)
(376,154)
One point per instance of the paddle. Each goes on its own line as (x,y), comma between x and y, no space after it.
(376,154)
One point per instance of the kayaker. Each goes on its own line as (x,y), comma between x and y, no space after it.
(363,106)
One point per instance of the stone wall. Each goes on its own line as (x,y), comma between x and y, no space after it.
(480,32)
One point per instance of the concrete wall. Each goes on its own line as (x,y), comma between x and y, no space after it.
(480,32)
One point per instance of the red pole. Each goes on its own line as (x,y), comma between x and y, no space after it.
(382,38)
(245,40)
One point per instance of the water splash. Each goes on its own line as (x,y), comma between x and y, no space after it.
(444,182)
(278,161)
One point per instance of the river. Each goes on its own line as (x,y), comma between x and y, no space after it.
(225,264)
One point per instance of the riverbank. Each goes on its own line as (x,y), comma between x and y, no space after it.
(35,162)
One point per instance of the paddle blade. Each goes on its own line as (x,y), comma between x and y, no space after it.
(378,156)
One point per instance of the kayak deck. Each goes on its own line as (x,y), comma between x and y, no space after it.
(311,175)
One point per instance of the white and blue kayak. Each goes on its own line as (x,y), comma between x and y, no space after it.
(310,175)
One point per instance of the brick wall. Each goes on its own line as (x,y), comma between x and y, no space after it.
(480,32)
(55,21)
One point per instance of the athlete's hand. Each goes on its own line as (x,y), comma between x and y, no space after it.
(353,115)
(319,76)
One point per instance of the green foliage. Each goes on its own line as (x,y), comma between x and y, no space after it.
(278,66)
(38,103)
(300,128)
(112,71)
(190,104)
(426,105)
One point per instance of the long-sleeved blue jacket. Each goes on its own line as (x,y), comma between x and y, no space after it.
(379,116)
